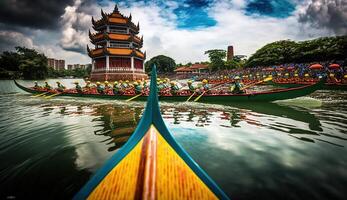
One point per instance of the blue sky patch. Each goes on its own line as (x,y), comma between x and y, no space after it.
(191,14)
(270,8)
(193,17)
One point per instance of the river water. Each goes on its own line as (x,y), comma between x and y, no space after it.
(294,149)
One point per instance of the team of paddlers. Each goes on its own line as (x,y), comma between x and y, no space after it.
(165,87)
(284,78)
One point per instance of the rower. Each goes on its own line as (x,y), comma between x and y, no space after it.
(165,84)
(36,86)
(205,85)
(87,87)
(344,78)
(121,83)
(99,88)
(116,88)
(107,87)
(237,87)
(125,84)
(191,87)
(47,86)
(145,84)
(61,87)
(160,86)
(174,88)
(168,83)
(78,87)
(138,87)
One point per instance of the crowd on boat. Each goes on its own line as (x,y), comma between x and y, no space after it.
(299,73)
(164,85)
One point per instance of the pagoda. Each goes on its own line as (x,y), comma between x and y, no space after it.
(116,54)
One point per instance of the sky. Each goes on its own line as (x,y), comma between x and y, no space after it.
(181,29)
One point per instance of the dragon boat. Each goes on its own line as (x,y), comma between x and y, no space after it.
(212,97)
(325,86)
(151,165)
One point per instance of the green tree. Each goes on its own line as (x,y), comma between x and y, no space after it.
(32,65)
(10,61)
(232,64)
(216,57)
(164,64)
(286,51)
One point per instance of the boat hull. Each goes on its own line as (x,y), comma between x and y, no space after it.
(326,86)
(280,94)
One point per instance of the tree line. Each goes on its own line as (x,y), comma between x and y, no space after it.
(276,53)
(29,64)
(287,51)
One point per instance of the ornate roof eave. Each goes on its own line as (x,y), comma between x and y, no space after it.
(105,51)
(93,21)
(130,17)
(103,14)
(90,34)
(88,50)
(115,10)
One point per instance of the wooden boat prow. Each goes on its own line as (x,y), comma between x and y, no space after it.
(151,165)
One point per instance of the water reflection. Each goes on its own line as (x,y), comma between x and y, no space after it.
(117,123)
(261,150)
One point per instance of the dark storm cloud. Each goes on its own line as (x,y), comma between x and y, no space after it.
(75,23)
(43,14)
(331,14)
(10,39)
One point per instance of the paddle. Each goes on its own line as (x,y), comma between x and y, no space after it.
(53,95)
(38,95)
(250,85)
(216,86)
(253,84)
(197,98)
(191,96)
(134,97)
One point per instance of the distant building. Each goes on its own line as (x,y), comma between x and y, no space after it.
(56,64)
(76,66)
(194,69)
(230,54)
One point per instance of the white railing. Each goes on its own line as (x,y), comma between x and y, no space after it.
(117,69)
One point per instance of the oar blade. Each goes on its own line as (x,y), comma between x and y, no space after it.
(132,98)
(53,95)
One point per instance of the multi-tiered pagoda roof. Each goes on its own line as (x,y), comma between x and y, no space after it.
(117,53)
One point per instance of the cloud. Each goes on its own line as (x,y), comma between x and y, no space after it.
(330,14)
(11,39)
(272,8)
(76,23)
(170,28)
(233,27)
(43,14)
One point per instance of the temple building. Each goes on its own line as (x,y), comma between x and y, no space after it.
(116,54)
